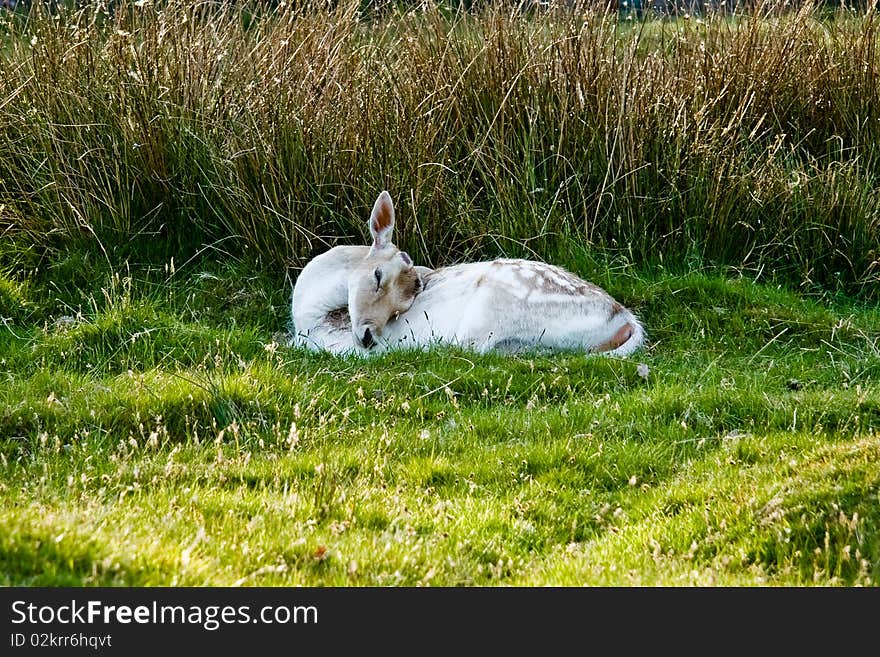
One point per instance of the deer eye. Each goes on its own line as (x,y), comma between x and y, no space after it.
(378,275)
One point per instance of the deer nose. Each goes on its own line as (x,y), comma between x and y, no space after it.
(367,339)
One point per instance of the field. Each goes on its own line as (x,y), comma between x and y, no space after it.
(168,168)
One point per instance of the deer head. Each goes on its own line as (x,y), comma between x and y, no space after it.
(385,283)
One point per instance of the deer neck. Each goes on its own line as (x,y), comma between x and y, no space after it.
(326,287)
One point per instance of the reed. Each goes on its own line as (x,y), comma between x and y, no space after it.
(745,139)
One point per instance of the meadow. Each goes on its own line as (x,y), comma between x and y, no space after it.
(168,167)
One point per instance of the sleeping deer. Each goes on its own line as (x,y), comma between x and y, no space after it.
(506,304)
(320,303)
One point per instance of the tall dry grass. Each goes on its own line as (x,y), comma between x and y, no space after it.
(748,140)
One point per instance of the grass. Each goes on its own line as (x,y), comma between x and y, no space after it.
(160,127)
(162,437)
(167,167)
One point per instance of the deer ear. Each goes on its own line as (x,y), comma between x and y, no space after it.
(382,221)
(417,285)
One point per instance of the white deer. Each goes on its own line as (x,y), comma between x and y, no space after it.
(320,303)
(372,298)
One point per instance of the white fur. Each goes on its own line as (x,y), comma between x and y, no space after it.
(482,306)
(320,288)
(505,304)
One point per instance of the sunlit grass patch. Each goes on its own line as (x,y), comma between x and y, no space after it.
(216,455)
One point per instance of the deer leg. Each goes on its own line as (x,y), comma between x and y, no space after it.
(623,334)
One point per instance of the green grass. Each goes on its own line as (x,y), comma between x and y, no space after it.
(161,436)
(167,168)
